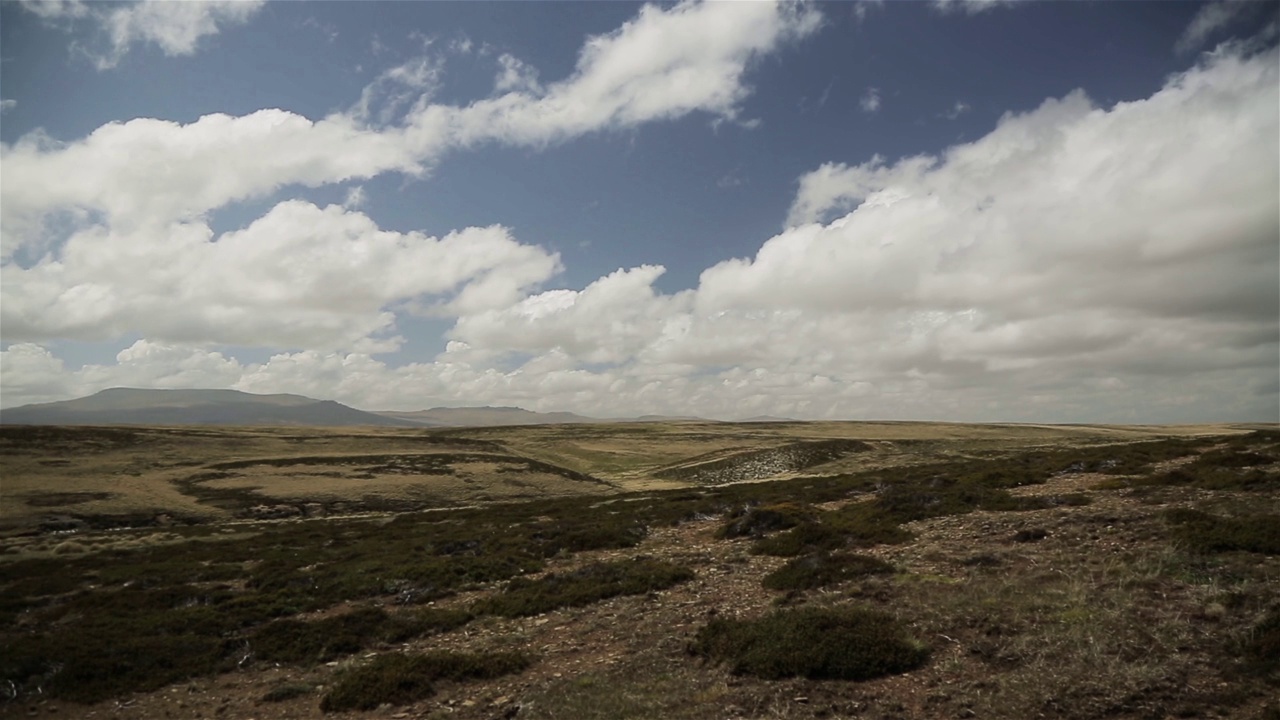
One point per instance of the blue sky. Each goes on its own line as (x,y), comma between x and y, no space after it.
(1035,211)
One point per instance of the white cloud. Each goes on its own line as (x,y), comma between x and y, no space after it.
(146,173)
(356,198)
(957,110)
(1210,19)
(414,80)
(861,8)
(1071,251)
(515,75)
(1074,264)
(175,27)
(661,65)
(7,104)
(301,276)
(83,218)
(57,9)
(870,101)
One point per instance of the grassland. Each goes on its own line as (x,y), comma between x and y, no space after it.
(683,570)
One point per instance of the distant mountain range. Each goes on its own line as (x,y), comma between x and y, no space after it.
(485,417)
(131,406)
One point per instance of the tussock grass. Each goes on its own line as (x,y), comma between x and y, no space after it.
(846,643)
(401,679)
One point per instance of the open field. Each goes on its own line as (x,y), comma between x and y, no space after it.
(682,570)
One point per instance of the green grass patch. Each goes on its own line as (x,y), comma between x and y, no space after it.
(1199,531)
(823,569)
(817,643)
(287,692)
(586,585)
(402,679)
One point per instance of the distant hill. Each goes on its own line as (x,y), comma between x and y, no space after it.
(767,419)
(131,406)
(486,417)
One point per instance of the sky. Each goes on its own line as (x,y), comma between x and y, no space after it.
(967,210)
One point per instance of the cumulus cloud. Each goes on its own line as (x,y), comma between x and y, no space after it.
(1077,263)
(1072,251)
(83,217)
(144,173)
(175,27)
(663,64)
(299,277)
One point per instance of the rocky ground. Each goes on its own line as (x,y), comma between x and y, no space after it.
(1066,612)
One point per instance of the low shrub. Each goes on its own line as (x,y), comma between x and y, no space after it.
(290,691)
(823,569)
(817,643)
(401,679)
(1199,531)
(1260,651)
(297,641)
(757,522)
(1030,535)
(804,538)
(1232,458)
(588,584)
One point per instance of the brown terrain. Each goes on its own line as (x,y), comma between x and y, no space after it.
(1066,585)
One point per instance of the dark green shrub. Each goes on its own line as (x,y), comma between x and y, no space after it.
(90,669)
(804,538)
(1030,535)
(316,641)
(588,584)
(1261,650)
(1201,532)
(757,522)
(816,643)
(402,679)
(1232,458)
(822,569)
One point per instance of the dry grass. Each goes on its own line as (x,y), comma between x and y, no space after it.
(140,474)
